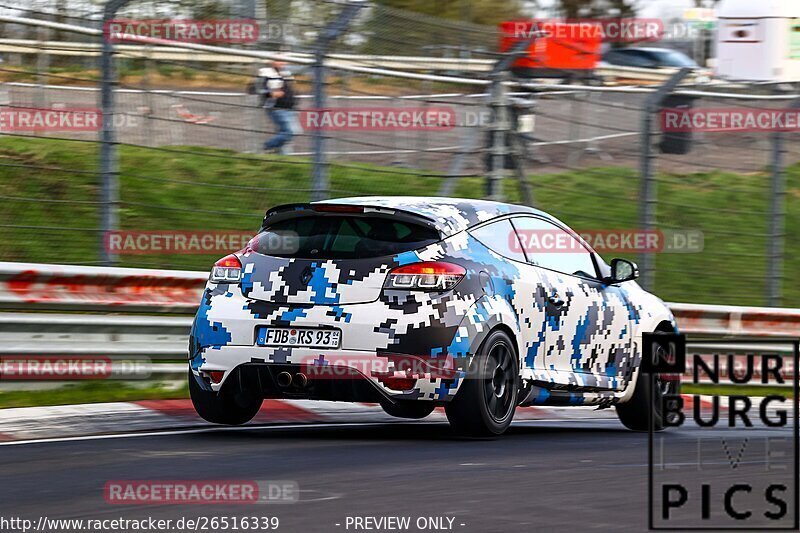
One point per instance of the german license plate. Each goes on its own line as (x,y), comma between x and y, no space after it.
(299,337)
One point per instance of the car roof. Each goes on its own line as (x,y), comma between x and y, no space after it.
(449,215)
(645,49)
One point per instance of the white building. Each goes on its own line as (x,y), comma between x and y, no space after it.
(759,40)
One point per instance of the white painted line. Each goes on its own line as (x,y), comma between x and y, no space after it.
(212,429)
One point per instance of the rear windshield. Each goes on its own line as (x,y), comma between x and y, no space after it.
(342,237)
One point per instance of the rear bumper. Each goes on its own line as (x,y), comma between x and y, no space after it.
(424,325)
(264,380)
(334,375)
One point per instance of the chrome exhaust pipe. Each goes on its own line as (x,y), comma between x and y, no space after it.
(284,379)
(300,380)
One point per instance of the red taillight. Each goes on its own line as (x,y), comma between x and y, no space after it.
(430,268)
(229,261)
(426,276)
(398,383)
(227,270)
(216,376)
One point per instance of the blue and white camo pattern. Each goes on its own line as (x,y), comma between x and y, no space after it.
(590,347)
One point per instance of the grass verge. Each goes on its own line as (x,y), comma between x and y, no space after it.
(737,390)
(91,392)
(50,191)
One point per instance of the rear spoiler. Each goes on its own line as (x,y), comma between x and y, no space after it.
(283,212)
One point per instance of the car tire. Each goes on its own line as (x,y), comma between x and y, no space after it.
(485,404)
(221,407)
(634,414)
(408,409)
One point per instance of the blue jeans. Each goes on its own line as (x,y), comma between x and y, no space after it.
(282,118)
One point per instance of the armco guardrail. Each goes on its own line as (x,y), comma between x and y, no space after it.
(30,286)
(45,334)
(33,286)
(27,288)
(343,61)
(167,53)
(731,321)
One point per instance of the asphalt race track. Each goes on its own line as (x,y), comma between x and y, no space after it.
(545,474)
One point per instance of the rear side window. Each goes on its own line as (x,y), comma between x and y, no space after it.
(342,237)
(500,237)
(549,246)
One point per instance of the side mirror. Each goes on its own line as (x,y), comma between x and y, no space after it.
(623,270)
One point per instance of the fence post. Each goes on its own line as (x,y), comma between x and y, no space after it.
(149,100)
(319,179)
(42,67)
(648,194)
(255,116)
(776,221)
(519,151)
(469,144)
(109,171)
(576,110)
(777,217)
(500,127)
(500,119)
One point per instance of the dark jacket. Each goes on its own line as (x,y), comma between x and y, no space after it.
(270,80)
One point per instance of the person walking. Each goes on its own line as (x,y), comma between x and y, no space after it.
(275,86)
